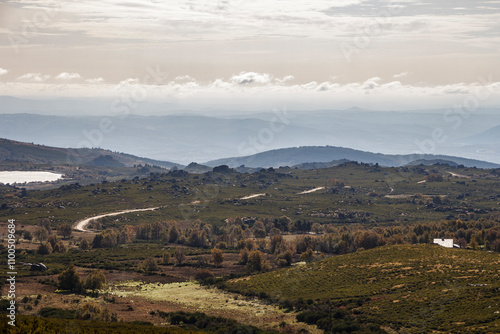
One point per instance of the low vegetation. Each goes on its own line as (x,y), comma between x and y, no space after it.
(405,288)
(353,255)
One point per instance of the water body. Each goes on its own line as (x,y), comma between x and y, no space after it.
(26,177)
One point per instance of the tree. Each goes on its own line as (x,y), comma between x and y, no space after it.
(217,257)
(27,235)
(179,256)
(203,274)
(84,244)
(70,280)
(150,265)
(44,249)
(98,241)
(259,230)
(57,245)
(244,256)
(44,223)
(256,261)
(166,258)
(65,230)
(173,234)
(307,256)
(95,280)
(284,259)
(41,234)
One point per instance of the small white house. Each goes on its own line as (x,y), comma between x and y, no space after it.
(448,243)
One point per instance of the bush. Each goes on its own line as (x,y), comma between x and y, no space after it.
(95,280)
(70,280)
(203,275)
(54,312)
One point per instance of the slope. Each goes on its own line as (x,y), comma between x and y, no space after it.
(29,152)
(309,154)
(409,288)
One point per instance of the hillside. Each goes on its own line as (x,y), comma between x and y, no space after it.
(320,154)
(408,288)
(40,154)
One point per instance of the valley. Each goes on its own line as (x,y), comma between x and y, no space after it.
(346,240)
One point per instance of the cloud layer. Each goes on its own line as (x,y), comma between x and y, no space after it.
(260,90)
(378,51)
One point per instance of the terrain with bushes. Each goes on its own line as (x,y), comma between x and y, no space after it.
(339,249)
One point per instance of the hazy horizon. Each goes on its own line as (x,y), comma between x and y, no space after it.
(236,55)
(253,60)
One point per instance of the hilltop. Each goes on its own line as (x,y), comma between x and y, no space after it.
(326,154)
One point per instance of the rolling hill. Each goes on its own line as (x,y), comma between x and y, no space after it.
(404,288)
(33,153)
(321,154)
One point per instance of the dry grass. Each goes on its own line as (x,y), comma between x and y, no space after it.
(195,298)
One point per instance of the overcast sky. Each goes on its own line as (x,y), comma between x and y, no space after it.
(259,54)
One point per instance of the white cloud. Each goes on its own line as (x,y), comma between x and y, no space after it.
(401,75)
(245,78)
(371,84)
(3,71)
(96,80)
(256,90)
(285,79)
(68,76)
(35,77)
(184,78)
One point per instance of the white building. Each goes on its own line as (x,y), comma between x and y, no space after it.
(448,243)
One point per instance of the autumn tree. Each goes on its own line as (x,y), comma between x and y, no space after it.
(65,230)
(307,256)
(41,234)
(179,256)
(95,280)
(256,261)
(244,256)
(259,230)
(217,257)
(150,265)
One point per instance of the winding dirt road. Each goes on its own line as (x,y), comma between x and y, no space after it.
(82,224)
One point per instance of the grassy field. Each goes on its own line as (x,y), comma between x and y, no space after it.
(410,289)
(195,298)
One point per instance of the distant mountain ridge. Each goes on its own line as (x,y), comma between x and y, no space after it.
(326,154)
(186,137)
(304,157)
(19,151)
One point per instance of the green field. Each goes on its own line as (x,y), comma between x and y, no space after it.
(410,288)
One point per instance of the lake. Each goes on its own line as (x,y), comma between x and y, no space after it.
(22,177)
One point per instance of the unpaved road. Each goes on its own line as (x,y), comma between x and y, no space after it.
(253,196)
(311,191)
(82,224)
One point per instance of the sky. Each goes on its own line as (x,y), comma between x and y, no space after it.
(254,55)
